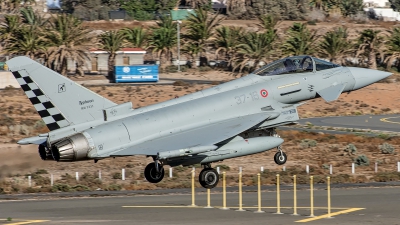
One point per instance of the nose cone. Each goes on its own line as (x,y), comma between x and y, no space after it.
(365,77)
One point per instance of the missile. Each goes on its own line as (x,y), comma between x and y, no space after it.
(185,152)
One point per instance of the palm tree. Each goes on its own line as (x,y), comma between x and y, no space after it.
(226,42)
(9,27)
(68,40)
(335,45)
(300,40)
(393,49)
(111,41)
(369,46)
(136,37)
(268,21)
(200,27)
(163,39)
(31,18)
(256,48)
(28,41)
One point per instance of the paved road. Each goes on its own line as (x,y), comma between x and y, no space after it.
(373,122)
(349,206)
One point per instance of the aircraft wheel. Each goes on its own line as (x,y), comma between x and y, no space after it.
(280,158)
(208,178)
(151,174)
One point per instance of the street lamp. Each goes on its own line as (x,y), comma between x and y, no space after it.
(179,44)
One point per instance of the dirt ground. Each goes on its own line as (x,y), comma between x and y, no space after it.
(19,120)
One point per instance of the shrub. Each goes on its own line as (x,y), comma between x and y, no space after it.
(224,167)
(386,148)
(117,175)
(113,187)
(306,143)
(351,149)
(80,187)
(386,176)
(61,187)
(129,165)
(41,171)
(362,160)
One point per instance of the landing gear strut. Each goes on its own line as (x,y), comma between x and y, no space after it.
(154,172)
(208,177)
(279,157)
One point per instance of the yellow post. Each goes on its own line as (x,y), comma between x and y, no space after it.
(259,194)
(278,197)
(208,199)
(329,196)
(240,193)
(294,197)
(193,199)
(224,191)
(312,196)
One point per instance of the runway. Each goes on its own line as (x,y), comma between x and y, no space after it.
(349,206)
(373,122)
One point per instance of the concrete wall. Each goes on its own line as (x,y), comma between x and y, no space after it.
(102,62)
(7,79)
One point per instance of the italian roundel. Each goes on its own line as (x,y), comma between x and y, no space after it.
(264,93)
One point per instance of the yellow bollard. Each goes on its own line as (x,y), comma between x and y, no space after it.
(208,199)
(294,197)
(259,194)
(278,197)
(329,197)
(240,193)
(224,191)
(193,199)
(312,196)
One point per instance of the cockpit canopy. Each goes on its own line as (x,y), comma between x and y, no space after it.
(295,64)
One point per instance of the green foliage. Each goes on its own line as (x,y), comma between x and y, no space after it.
(369,46)
(227,41)
(223,167)
(300,40)
(307,143)
(111,41)
(393,49)
(351,149)
(386,148)
(41,171)
(61,188)
(117,175)
(351,7)
(163,39)
(136,37)
(255,47)
(80,187)
(395,5)
(386,176)
(361,160)
(113,187)
(335,45)
(9,219)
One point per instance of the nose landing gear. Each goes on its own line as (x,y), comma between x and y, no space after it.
(280,157)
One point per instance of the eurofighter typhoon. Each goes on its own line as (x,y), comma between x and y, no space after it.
(233,119)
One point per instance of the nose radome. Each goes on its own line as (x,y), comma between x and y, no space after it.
(365,77)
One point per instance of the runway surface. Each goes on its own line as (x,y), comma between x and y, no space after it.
(349,206)
(373,122)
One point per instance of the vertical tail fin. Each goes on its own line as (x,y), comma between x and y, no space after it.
(58,100)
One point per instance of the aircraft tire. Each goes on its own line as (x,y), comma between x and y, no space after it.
(151,174)
(209,178)
(279,158)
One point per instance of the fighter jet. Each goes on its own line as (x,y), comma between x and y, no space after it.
(233,119)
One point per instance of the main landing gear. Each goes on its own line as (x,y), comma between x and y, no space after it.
(154,172)
(208,177)
(279,157)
